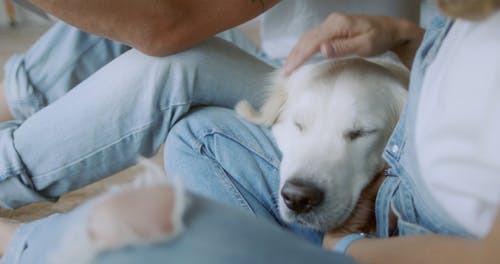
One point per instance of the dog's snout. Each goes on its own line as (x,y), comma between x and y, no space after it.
(301,197)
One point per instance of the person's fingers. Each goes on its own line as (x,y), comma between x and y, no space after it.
(346,46)
(335,26)
(303,50)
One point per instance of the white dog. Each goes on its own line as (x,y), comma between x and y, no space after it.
(331,121)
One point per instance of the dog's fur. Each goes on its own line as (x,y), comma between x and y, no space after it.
(113,223)
(331,120)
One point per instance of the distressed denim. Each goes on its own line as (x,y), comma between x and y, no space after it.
(86,107)
(402,191)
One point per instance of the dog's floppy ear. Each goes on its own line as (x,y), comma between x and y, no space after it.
(271,109)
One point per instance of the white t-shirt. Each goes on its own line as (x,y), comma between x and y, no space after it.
(284,24)
(458,125)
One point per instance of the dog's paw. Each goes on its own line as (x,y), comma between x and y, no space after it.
(143,215)
(146,211)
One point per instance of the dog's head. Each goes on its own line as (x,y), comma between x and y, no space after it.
(331,121)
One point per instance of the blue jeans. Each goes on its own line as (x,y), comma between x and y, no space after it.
(214,234)
(86,107)
(230,160)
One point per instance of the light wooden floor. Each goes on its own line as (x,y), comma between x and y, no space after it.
(17,40)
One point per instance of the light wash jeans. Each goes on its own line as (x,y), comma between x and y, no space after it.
(86,107)
(214,234)
(217,154)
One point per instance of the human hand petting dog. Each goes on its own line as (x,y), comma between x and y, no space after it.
(363,35)
(362,219)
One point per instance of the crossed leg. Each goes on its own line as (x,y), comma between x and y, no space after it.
(123,110)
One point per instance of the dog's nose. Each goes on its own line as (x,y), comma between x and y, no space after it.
(301,197)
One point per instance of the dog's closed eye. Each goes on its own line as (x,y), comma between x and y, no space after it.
(298,125)
(301,122)
(359,133)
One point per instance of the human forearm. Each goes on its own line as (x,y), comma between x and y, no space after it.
(429,249)
(155,27)
(418,249)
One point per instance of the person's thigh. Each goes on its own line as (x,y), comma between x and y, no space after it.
(124,110)
(213,234)
(218,234)
(56,63)
(223,157)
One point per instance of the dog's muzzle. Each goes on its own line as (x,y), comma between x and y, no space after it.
(301,197)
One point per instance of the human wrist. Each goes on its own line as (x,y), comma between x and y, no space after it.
(407,37)
(406,31)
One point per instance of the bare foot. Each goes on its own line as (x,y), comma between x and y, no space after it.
(7,229)
(5,114)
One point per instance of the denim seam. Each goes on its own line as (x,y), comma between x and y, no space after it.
(197,146)
(168,106)
(99,150)
(251,148)
(33,101)
(383,203)
(431,213)
(277,192)
(131,133)
(39,98)
(409,223)
(11,172)
(228,184)
(212,132)
(58,75)
(14,170)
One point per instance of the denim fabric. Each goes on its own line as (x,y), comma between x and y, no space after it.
(122,105)
(402,192)
(225,158)
(214,234)
(217,234)
(62,58)
(36,242)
